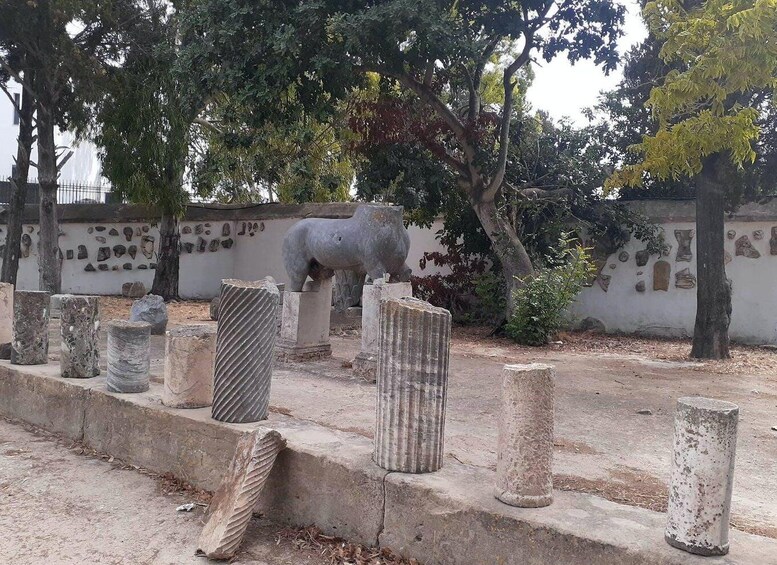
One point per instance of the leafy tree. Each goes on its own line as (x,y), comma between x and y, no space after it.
(709,111)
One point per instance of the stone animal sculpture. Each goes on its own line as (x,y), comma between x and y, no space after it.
(373,241)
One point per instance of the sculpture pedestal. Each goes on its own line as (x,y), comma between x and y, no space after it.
(305,325)
(365,364)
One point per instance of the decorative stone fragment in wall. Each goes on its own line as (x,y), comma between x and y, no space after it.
(99,228)
(69,254)
(147,246)
(524,476)
(727,258)
(129,352)
(143,267)
(152,266)
(198,229)
(6,319)
(90,230)
(134,289)
(242,229)
(103,267)
(667,251)
(186,230)
(256,226)
(119,250)
(100,239)
(758,234)
(127,233)
(704,447)
(82,252)
(412,385)
(684,239)
(30,343)
(30,229)
(640,273)
(104,253)
(227,243)
(189,360)
(773,242)
(24,247)
(201,244)
(684,279)
(661,272)
(151,309)
(604,281)
(745,248)
(244,350)
(226,231)
(305,325)
(214,245)
(233,503)
(612,265)
(138,231)
(89,268)
(207,232)
(642,257)
(731,234)
(79,356)
(127,266)
(188,246)
(132,250)
(640,286)
(114,232)
(261,226)
(623,256)
(115,268)
(144,229)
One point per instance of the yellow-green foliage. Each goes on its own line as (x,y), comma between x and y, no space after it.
(726,49)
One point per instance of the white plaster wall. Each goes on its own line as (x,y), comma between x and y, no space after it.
(672,313)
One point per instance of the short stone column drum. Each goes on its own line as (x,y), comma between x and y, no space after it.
(244,350)
(412,386)
(190,353)
(129,352)
(6,319)
(524,474)
(305,324)
(30,345)
(79,323)
(705,437)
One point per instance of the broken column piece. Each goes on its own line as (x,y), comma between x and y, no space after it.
(703,452)
(233,503)
(30,345)
(79,323)
(190,352)
(413,352)
(244,350)
(524,475)
(305,325)
(128,356)
(366,362)
(6,319)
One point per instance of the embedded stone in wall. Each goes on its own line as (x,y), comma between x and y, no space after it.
(201,244)
(684,279)
(186,229)
(604,281)
(188,246)
(731,234)
(103,254)
(115,268)
(127,266)
(90,230)
(667,251)
(114,232)
(745,248)
(727,258)
(25,245)
(773,242)
(684,238)
(82,252)
(147,246)
(207,232)
(225,230)
(214,245)
(242,229)
(119,250)
(99,228)
(89,268)
(661,272)
(138,231)
(143,267)
(102,267)
(227,243)
(100,239)
(758,234)
(623,256)
(69,254)
(640,286)
(642,257)
(128,233)
(198,229)
(144,229)
(132,250)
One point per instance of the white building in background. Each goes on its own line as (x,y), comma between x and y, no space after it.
(83,167)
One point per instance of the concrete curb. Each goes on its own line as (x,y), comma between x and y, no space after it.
(327,477)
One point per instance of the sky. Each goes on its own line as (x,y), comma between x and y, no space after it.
(563,89)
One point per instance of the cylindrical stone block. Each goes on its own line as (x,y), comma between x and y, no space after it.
(190,352)
(30,345)
(412,379)
(705,437)
(525,450)
(79,355)
(129,355)
(244,350)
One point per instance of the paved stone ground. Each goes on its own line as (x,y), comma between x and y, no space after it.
(60,507)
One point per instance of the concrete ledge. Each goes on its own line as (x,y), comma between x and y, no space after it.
(327,477)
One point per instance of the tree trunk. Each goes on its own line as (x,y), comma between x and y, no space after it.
(507,247)
(13,237)
(168,260)
(713,308)
(49,261)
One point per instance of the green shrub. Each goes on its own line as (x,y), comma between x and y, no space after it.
(540,300)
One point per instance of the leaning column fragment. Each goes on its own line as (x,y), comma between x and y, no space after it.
(413,352)
(524,475)
(190,353)
(129,354)
(233,503)
(79,327)
(30,345)
(705,437)
(244,350)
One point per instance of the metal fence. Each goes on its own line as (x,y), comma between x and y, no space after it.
(68,193)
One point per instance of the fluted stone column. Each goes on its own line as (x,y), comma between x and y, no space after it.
(30,345)
(129,355)
(305,325)
(366,362)
(244,350)
(233,503)
(705,437)
(190,353)
(524,475)
(6,319)
(79,324)
(413,352)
